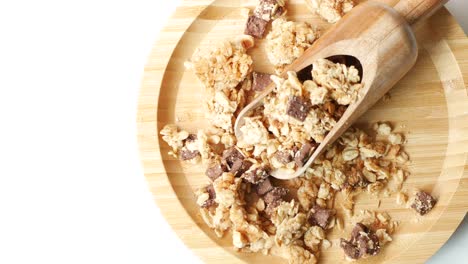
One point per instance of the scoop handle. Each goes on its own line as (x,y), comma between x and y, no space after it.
(416,10)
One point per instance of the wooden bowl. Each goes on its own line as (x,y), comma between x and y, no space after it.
(430,105)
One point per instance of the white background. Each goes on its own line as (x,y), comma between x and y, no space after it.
(71,186)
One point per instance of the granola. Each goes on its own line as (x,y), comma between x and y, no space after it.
(292,218)
(331,10)
(288,40)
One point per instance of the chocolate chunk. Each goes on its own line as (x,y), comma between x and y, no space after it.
(255,27)
(298,107)
(357,230)
(215,171)
(270,208)
(277,193)
(368,244)
(260,81)
(186,154)
(423,203)
(211,191)
(240,166)
(363,242)
(212,196)
(257,175)
(320,216)
(283,156)
(350,250)
(191,137)
(264,187)
(230,155)
(269,9)
(303,154)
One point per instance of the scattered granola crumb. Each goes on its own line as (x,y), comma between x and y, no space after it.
(401,198)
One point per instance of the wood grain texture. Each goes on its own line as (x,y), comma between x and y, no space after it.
(430,105)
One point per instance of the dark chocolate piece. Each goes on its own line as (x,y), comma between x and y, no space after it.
(363,241)
(186,154)
(230,155)
(283,156)
(260,81)
(212,194)
(301,156)
(368,244)
(298,107)
(269,9)
(215,171)
(240,166)
(320,216)
(255,27)
(276,194)
(423,203)
(264,187)
(349,249)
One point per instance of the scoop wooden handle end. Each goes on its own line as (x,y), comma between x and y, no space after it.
(417,10)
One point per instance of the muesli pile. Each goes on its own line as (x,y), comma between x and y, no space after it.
(292,218)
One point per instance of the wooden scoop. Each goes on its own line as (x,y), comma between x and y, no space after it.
(379,35)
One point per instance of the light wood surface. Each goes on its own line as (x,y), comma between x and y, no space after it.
(430,105)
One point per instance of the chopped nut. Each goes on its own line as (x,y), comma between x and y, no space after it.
(326,244)
(324,191)
(384,129)
(395,139)
(383,236)
(401,198)
(260,205)
(238,240)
